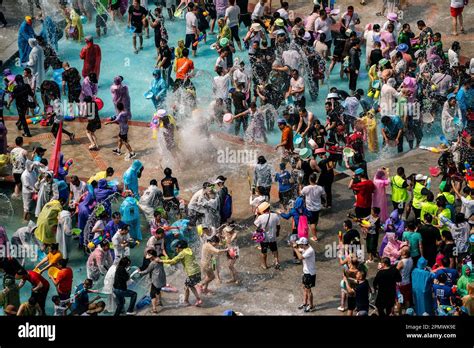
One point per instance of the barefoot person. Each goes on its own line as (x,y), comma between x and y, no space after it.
(230,238)
(192,269)
(208,253)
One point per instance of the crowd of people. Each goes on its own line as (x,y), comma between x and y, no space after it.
(425,256)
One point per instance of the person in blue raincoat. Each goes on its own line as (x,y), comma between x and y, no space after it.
(131,216)
(131,176)
(157,89)
(49,32)
(25,33)
(422,288)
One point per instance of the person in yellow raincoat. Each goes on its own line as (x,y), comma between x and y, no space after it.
(48,222)
(74,26)
(370,124)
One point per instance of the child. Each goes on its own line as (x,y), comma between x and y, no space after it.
(285,185)
(122,120)
(372,233)
(296,212)
(60,307)
(230,238)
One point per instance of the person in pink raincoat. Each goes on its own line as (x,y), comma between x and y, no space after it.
(393,247)
(379,197)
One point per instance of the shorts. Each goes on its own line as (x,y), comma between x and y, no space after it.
(405,290)
(189,41)
(245,18)
(123,137)
(456,11)
(265,191)
(73,96)
(17,177)
(351,303)
(268,245)
(313,217)
(91,126)
(309,281)
(285,197)
(138,29)
(235,33)
(101,21)
(154,291)
(193,280)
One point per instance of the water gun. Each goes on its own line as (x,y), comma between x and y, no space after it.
(34,120)
(68,164)
(200,38)
(96,241)
(154,124)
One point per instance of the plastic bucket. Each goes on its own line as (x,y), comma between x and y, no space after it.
(348,152)
(297,139)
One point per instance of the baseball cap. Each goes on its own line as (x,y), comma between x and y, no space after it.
(420,177)
(303,241)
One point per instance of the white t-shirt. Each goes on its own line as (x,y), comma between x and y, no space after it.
(312,194)
(18,158)
(309,261)
(222,62)
(349,21)
(321,48)
(297,84)
(77,191)
(232,13)
(457,3)
(191,21)
(292,58)
(467,207)
(324,26)
(221,86)
(283,13)
(240,77)
(271,227)
(258,11)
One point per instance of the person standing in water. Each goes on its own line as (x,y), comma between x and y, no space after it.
(136,16)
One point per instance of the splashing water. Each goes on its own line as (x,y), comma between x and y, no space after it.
(6,208)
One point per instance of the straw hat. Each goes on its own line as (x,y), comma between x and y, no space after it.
(256,27)
(263,207)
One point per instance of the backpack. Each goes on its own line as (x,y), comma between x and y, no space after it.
(226,209)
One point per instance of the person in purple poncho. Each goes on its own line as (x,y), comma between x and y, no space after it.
(120,94)
(84,210)
(393,224)
(89,87)
(102,192)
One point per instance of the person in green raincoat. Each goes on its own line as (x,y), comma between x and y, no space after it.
(48,222)
(466,278)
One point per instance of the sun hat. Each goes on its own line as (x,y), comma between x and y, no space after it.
(403,47)
(161,113)
(302,241)
(392,16)
(420,177)
(256,27)
(332,96)
(280,32)
(223,42)
(279,22)
(263,207)
(307,36)
(305,153)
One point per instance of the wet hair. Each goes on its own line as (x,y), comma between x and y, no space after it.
(219,70)
(428,218)
(110,171)
(442,278)
(54,247)
(19,141)
(152,252)
(153,182)
(28,70)
(411,225)
(44,161)
(421,23)
(313,178)
(116,214)
(93,77)
(430,196)
(22,272)
(124,262)
(89,282)
(441,201)
(400,171)
(159,231)
(167,171)
(386,261)
(386,120)
(348,223)
(185,52)
(214,239)
(460,218)
(316,8)
(63,263)
(261,160)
